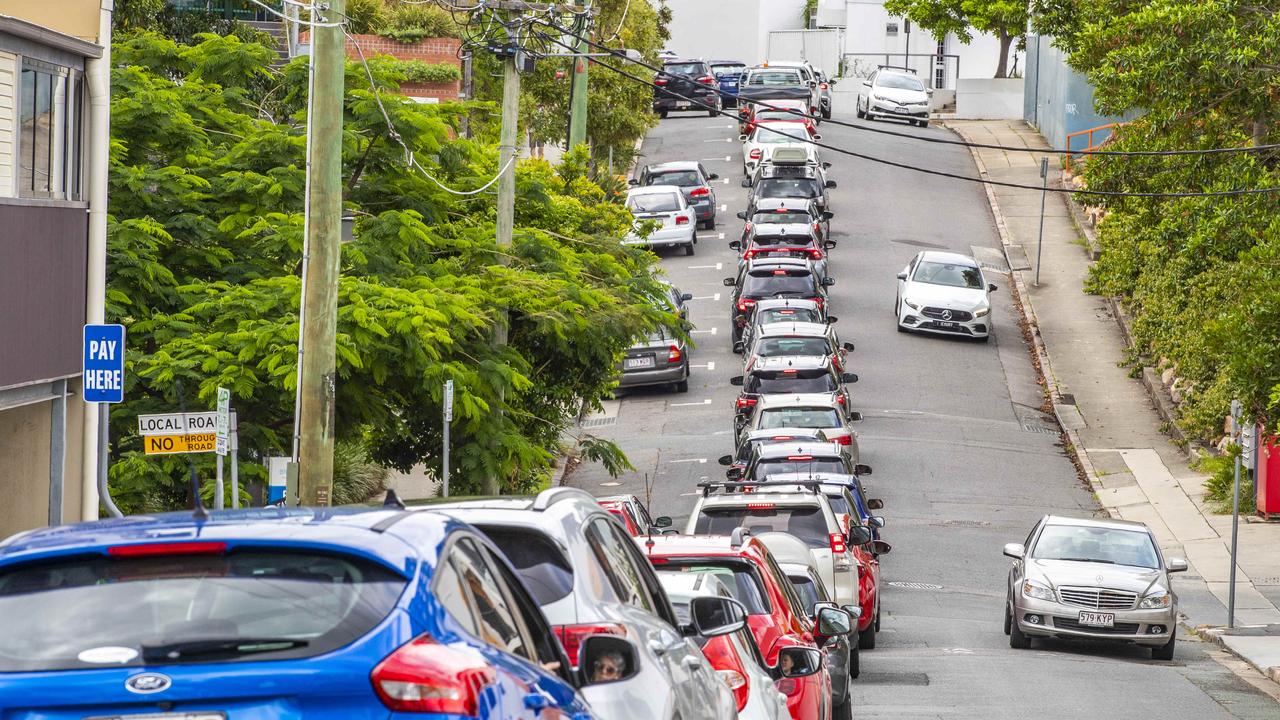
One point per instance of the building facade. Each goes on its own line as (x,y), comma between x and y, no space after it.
(47,267)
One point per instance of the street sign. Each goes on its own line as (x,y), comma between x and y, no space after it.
(223,422)
(448,400)
(180,423)
(173,444)
(103,356)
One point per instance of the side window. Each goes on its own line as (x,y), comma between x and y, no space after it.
(448,590)
(542,640)
(872,78)
(645,519)
(618,565)
(784,585)
(496,623)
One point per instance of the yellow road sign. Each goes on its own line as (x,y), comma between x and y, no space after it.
(172,444)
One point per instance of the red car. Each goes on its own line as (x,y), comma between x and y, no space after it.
(775,612)
(632,513)
(789,110)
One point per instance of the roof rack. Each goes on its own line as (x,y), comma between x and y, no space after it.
(711,485)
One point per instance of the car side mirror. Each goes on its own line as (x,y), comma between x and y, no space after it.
(796,662)
(854,611)
(862,469)
(742,215)
(1176,564)
(850,348)
(713,176)
(829,183)
(1015,550)
(662,521)
(832,320)
(742,138)
(833,622)
(826,166)
(860,535)
(711,615)
(730,282)
(928,91)
(875,504)
(633,181)
(855,416)
(847,378)
(827,214)
(866,83)
(817,137)
(725,460)
(902,275)
(598,649)
(828,282)
(828,244)
(746,182)
(686,297)
(735,244)
(736,380)
(879,547)
(734,473)
(876,521)
(991,287)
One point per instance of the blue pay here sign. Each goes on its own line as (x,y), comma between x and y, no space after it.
(104,363)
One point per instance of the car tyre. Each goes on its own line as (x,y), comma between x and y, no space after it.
(1017,640)
(901,328)
(688,249)
(844,711)
(826,114)
(867,638)
(1008,619)
(1165,651)
(709,224)
(662,114)
(683,385)
(855,666)
(713,113)
(877,619)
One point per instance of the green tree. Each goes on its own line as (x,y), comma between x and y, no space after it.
(1006,19)
(205,244)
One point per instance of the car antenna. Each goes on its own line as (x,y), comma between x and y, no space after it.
(200,513)
(392,500)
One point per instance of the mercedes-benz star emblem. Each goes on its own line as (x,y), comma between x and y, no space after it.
(148,683)
(1099,579)
(946,314)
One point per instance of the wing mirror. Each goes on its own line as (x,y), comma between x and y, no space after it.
(832,320)
(735,473)
(875,504)
(795,662)
(662,521)
(710,616)
(742,138)
(817,137)
(826,166)
(879,547)
(833,622)
(742,215)
(1015,550)
(849,378)
(813,83)
(854,611)
(855,416)
(736,380)
(860,535)
(735,244)
(866,83)
(713,176)
(746,182)
(850,348)
(633,182)
(600,651)
(992,287)
(725,460)
(828,244)
(827,214)
(730,282)
(1176,564)
(829,183)
(862,469)
(876,521)
(686,297)
(902,275)
(828,281)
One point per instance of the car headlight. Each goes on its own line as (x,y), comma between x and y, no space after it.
(911,304)
(1039,591)
(1156,601)
(982,312)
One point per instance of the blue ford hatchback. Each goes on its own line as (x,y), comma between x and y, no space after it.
(273,614)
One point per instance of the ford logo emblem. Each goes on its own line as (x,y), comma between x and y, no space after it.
(148,683)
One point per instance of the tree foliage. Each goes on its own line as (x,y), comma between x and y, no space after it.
(205,241)
(1006,19)
(1200,274)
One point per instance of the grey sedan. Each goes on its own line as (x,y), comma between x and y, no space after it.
(1092,579)
(662,358)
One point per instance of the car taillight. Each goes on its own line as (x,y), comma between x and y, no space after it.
(707,80)
(745,402)
(157,549)
(682,219)
(843,440)
(818,301)
(674,355)
(700,192)
(747,227)
(571,636)
(840,398)
(750,254)
(660,81)
(761,506)
(755,154)
(728,666)
(738,684)
(745,304)
(817,227)
(424,676)
(815,253)
(788,686)
(837,543)
(799,458)
(782,438)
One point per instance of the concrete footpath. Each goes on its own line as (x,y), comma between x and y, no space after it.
(1109,418)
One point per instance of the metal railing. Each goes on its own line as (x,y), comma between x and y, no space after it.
(1090,144)
(242,10)
(862,64)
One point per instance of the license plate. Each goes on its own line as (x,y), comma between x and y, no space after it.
(683,104)
(636,363)
(1092,619)
(899,110)
(945,325)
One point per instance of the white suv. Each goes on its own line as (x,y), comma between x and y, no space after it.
(590,579)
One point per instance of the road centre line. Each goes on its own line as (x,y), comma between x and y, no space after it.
(712,331)
(719,140)
(708,366)
(704,402)
(700,461)
(717,266)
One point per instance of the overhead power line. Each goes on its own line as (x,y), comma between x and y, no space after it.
(926,171)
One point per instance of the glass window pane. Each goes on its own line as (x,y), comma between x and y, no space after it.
(42,131)
(58,135)
(26,134)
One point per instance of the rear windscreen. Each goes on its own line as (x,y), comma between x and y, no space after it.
(799,417)
(764,317)
(685,69)
(765,468)
(770,285)
(792,346)
(793,188)
(99,611)
(804,521)
(679,178)
(776,218)
(656,202)
(802,381)
(740,578)
(543,569)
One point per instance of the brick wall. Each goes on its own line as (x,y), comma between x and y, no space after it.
(429,50)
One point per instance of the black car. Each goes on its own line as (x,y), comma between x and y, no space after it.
(789,375)
(787,211)
(791,182)
(692,179)
(772,278)
(795,241)
(686,85)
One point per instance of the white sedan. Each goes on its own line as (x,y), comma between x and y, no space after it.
(676,220)
(758,147)
(946,293)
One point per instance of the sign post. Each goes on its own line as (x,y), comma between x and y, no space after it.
(1044,190)
(448,420)
(1238,433)
(222,439)
(103,367)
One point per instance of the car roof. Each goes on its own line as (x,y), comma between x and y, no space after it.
(674,165)
(783,303)
(393,537)
(653,190)
(681,585)
(801,204)
(617,499)
(1096,522)
(948,257)
(817,449)
(769,171)
(798,230)
(803,329)
(788,549)
(791,362)
(726,62)
(677,59)
(797,400)
(789,495)
(755,435)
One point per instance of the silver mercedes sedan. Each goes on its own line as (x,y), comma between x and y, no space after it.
(1094,579)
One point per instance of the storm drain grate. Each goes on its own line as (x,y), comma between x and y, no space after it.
(915,585)
(598,422)
(1264,581)
(1042,429)
(962,523)
(990,258)
(884,678)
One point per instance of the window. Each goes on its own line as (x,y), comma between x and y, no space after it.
(688,69)
(679,178)
(543,569)
(891,29)
(741,579)
(798,381)
(799,417)
(805,522)
(781,466)
(1083,543)
(495,622)
(949,274)
(896,81)
(792,346)
(618,564)
(654,202)
(807,589)
(49,118)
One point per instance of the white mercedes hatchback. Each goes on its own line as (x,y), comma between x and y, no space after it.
(945,293)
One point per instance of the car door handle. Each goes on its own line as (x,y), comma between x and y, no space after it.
(691,663)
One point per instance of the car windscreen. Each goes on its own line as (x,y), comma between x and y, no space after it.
(775,466)
(797,188)
(796,381)
(740,578)
(806,589)
(804,521)
(679,178)
(770,285)
(802,417)
(1082,543)
(97,611)
(791,346)
(685,68)
(653,202)
(777,77)
(543,568)
(764,317)
(788,133)
(730,69)
(899,82)
(949,274)
(781,218)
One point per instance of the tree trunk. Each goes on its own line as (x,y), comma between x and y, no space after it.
(1002,68)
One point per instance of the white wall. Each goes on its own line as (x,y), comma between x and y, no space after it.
(8,105)
(730,29)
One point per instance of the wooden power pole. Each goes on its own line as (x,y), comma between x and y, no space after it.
(318,372)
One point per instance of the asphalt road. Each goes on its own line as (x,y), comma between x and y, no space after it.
(962,457)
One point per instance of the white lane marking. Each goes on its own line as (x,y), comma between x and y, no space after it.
(610,484)
(717,266)
(700,461)
(722,432)
(724,208)
(722,140)
(704,236)
(704,402)
(717,127)
(708,366)
(707,297)
(726,180)
(721,236)
(712,331)
(728,158)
